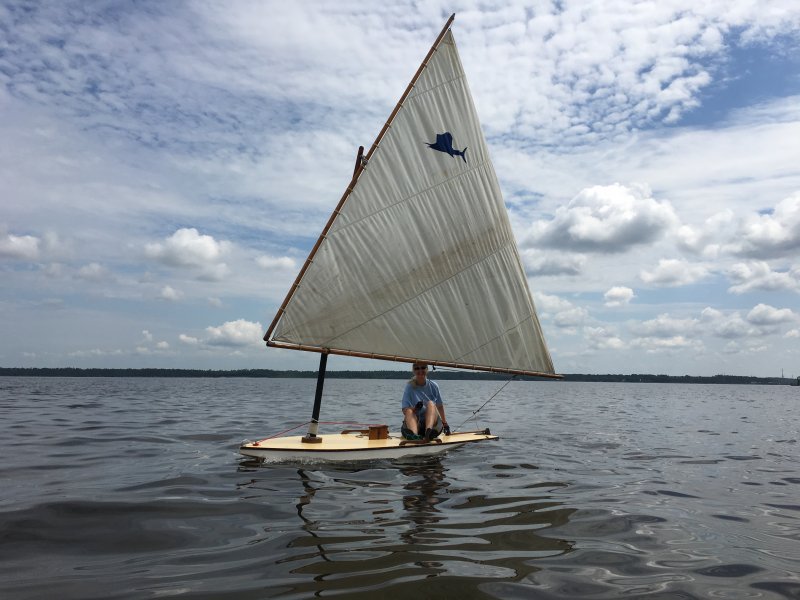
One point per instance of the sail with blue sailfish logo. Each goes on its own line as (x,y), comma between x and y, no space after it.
(418,261)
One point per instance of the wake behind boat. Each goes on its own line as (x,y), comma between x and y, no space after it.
(417,263)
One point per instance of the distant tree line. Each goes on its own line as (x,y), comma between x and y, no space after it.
(436,374)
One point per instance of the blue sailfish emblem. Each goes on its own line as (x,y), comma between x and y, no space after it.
(444,143)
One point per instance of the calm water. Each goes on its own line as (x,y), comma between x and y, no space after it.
(132,488)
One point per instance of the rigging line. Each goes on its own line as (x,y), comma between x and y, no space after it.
(475,412)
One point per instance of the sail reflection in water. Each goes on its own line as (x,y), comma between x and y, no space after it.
(362,529)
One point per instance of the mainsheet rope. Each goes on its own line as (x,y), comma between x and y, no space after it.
(477,410)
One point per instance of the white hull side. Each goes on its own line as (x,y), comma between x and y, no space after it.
(350,447)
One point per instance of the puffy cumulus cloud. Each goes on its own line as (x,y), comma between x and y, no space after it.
(188,248)
(602,338)
(171,294)
(275,262)
(235,333)
(148,337)
(605,219)
(547,304)
(792,333)
(666,334)
(709,239)
(538,264)
(766,315)
(758,276)
(672,272)
(726,326)
(760,321)
(162,346)
(561,312)
(618,296)
(772,234)
(19,247)
(571,317)
(664,326)
(188,340)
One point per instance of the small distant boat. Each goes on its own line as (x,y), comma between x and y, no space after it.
(417,263)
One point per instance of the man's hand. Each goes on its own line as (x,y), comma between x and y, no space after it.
(446,428)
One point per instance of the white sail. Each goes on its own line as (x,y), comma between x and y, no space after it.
(421,262)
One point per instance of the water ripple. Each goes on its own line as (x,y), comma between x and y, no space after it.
(133,489)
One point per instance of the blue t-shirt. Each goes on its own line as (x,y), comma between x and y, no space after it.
(421,393)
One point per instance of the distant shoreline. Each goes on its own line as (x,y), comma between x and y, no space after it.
(436,374)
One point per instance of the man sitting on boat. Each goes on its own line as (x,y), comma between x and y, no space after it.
(423,409)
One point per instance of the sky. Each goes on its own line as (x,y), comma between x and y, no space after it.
(165,168)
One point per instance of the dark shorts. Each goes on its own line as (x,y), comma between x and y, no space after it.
(437,428)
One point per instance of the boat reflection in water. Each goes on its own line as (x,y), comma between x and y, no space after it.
(411,528)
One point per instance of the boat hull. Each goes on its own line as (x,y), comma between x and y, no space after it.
(355,446)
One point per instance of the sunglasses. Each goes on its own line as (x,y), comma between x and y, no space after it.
(420,368)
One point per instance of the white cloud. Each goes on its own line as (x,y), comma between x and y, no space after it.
(758,276)
(664,326)
(170,293)
(216,302)
(188,340)
(275,262)
(549,303)
(19,247)
(708,239)
(727,326)
(235,333)
(762,320)
(148,337)
(162,346)
(540,264)
(792,333)
(774,234)
(602,338)
(666,344)
(673,272)
(618,296)
(605,219)
(561,312)
(764,314)
(571,317)
(188,248)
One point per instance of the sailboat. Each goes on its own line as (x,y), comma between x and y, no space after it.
(417,263)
